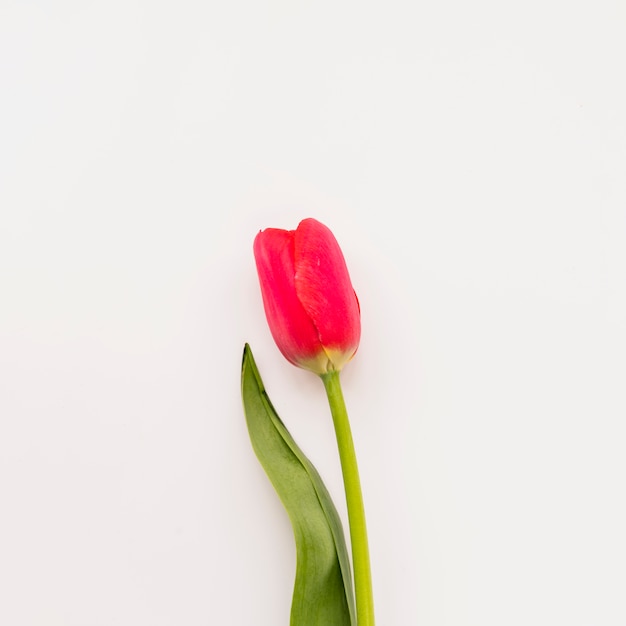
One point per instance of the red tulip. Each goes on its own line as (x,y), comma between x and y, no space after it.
(309,301)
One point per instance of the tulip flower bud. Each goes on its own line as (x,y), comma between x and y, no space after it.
(310,305)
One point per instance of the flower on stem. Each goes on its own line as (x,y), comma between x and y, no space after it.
(310,304)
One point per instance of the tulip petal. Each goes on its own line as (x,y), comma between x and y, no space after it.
(291,327)
(324,289)
(323,592)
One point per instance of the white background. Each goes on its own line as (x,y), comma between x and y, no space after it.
(470,157)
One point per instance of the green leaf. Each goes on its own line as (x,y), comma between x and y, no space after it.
(323,593)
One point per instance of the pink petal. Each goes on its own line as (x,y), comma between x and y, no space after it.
(291,327)
(323,286)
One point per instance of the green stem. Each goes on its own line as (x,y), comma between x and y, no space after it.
(354,501)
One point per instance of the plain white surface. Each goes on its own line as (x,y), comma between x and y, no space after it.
(471,160)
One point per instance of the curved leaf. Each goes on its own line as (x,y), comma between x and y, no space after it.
(323,593)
